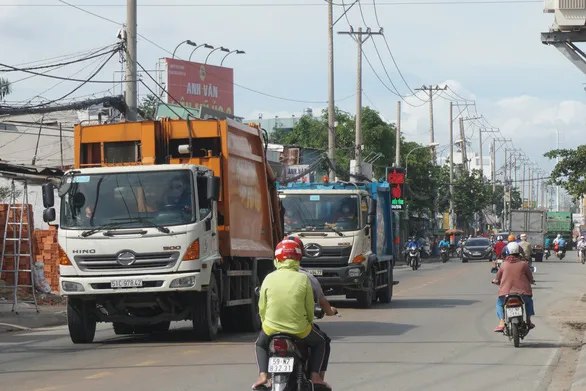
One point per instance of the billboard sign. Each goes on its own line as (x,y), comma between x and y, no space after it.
(396,179)
(294,170)
(197,85)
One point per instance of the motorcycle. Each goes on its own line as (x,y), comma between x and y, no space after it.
(499,262)
(583,255)
(546,253)
(516,325)
(444,254)
(413,257)
(561,253)
(288,361)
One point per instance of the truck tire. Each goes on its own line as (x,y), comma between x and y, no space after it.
(81,321)
(367,296)
(122,328)
(386,294)
(206,312)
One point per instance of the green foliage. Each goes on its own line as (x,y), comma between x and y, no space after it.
(5,88)
(148,106)
(570,171)
(497,196)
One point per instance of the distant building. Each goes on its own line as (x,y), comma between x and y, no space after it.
(283,123)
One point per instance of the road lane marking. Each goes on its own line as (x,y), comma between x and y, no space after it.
(99,375)
(48,388)
(146,363)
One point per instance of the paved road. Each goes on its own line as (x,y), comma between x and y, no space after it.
(435,335)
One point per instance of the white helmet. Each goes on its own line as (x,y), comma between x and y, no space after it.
(513,248)
(523,236)
(499,238)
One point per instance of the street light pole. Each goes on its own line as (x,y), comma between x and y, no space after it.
(131,97)
(210,53)
(187,41)
(198,46)
(233,51)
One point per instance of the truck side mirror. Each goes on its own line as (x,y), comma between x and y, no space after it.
(49,215)
(213,188)
(372,207)
(48,195)
(367,229)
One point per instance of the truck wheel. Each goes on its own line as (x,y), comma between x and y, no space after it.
(386,294)
(122,328)
(206,312)
(367,296)
(81,321)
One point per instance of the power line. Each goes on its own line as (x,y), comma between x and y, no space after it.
(282,5)
(14,68)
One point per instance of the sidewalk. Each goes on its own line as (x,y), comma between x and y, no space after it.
(51,313)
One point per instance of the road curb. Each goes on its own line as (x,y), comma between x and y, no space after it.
(28,322)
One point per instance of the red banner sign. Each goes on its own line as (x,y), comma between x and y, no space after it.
(196,85)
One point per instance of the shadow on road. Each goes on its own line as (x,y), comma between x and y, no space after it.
(430,303)
(337,330)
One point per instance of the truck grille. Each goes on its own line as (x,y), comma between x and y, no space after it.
(143,261)
(329,257)
(572,4)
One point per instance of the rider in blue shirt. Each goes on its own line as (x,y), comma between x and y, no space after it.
(444,243)
(413,243)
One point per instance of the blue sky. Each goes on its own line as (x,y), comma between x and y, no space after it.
(489,52)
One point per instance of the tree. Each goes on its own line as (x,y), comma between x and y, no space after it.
(421,176)
(570,172)
(497,198)
(6,193)
(5,88)
(148,106)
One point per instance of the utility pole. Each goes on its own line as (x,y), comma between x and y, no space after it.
(360,37)
(480,131)
(451,166)
(524,183)
(505,187)
(131,52)
(493,165)
(331,104)
(431,89)
(463,147)
(398,137)
(557,203)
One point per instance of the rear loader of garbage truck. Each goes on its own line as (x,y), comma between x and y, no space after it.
(133,255)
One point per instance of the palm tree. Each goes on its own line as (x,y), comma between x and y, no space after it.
(5,88)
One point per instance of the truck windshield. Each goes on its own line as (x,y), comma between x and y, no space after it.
(320,212)
(133,199)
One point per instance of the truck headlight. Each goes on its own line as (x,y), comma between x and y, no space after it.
(355,272)
(69,286)
(183,282)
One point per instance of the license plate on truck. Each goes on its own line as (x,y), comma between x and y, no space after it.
(316,272)
(514,311)
(132,283)
(280,364)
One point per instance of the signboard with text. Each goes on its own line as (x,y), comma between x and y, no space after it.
(396,179)
(197,85)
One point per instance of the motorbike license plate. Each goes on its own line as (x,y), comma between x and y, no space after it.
(280,364)
(514,311)
(316,272)
(132,283)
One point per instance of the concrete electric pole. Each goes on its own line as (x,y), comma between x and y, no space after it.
(360,37)
(431,89)
(131,71)
(398,137)
(451,165)
(331,103)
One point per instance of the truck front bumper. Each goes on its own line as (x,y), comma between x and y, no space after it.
(150,283)
(351,276)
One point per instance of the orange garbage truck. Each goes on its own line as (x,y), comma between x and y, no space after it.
(163,221)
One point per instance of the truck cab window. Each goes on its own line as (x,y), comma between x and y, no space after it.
(205,205)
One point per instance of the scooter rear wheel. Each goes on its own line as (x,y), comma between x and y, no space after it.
(515,335)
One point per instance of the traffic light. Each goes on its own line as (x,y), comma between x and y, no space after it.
(396,179)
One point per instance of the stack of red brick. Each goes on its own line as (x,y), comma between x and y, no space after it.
(45,248)
(47,251)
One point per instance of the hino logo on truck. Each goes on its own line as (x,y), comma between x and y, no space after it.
(313,250)
(85,251)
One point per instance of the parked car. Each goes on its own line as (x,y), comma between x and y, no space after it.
(477,249)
